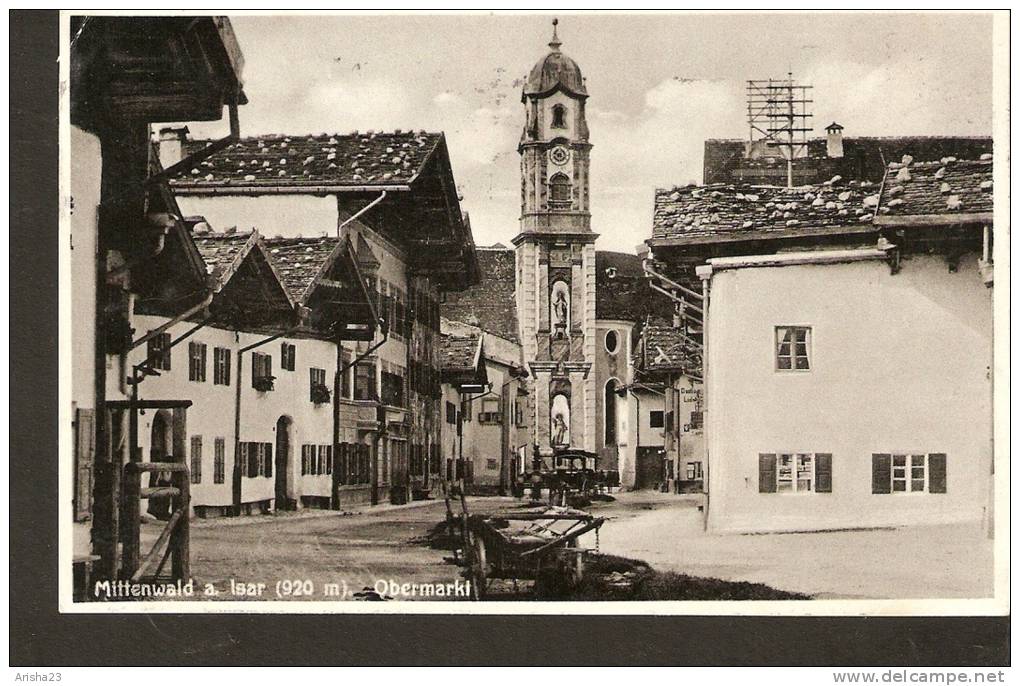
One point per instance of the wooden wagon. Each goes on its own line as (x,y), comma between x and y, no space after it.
(541,546)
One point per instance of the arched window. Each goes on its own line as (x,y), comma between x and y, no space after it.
(559,117)
(559,191)
(610,407)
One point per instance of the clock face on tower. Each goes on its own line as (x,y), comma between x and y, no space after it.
(559,155)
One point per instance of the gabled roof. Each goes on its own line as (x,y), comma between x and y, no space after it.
(322,273)
(223,252)
(946,189)
(300,261)
(248,289)
(707,213)
(491,304)
(326,160)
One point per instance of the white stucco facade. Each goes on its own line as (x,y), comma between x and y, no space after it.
(899,362)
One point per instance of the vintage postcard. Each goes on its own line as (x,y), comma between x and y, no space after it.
(650,313)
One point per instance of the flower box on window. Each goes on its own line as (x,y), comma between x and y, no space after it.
(320,394)
(263,384)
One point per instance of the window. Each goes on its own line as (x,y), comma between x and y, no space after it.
(221,366)
(610,409)
(364,380)
(694,471)
(559,117)
(465,410)
(793,348)
(519,414)
(392,384)
(697,419)
(490,413)
(345,377)
(657,419)
(788,473)
(262,372)
(908,473)
(612,341)
(288,354)
(559,191)
(219,461)
(196,361)
(451,413)
(257,458)
(196,459)
(158,351)
(318,391)
(492,464)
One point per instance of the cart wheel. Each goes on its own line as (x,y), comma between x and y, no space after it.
(477,566)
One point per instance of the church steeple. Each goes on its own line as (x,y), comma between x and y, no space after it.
(555,263)
(554,145)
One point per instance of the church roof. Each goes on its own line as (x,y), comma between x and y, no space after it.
(622,290)
(490,305)
(555,71)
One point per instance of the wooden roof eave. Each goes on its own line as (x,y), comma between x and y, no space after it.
(344,253)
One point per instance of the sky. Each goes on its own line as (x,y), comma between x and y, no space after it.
(659,85)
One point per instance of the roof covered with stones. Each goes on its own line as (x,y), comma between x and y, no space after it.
(355,159)
(948,186)
(458,353)
(299,261)
(725,209)
(664,348)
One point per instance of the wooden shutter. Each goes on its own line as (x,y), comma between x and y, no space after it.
(766,472)
(881,473)
(84,461)
(937,473)
(823,472)
(268,456)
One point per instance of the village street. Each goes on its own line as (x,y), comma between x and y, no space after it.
(356,550)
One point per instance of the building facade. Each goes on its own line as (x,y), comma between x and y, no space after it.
(391,197)
(847,346)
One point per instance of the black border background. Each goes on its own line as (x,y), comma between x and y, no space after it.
(41,636)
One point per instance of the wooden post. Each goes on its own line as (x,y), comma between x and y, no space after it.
(180,539)
(131,519)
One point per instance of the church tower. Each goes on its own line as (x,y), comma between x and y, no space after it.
(556,255)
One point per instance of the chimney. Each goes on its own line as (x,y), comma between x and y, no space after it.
(834,140)
(171,144)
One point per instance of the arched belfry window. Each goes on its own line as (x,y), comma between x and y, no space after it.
(610,409)
(559,191)
(559,117)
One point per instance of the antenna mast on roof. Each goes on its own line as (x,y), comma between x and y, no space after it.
(778,118)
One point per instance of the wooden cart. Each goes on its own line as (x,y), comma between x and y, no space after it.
(542,546)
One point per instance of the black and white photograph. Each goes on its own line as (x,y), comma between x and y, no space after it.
(516,312)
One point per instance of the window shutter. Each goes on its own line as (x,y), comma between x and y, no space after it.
(823,473)
(937,473)
(881,473)
(269,459)
(766,472)
(84,460)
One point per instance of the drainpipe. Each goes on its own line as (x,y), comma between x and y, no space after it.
(360,212)
(705,274)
